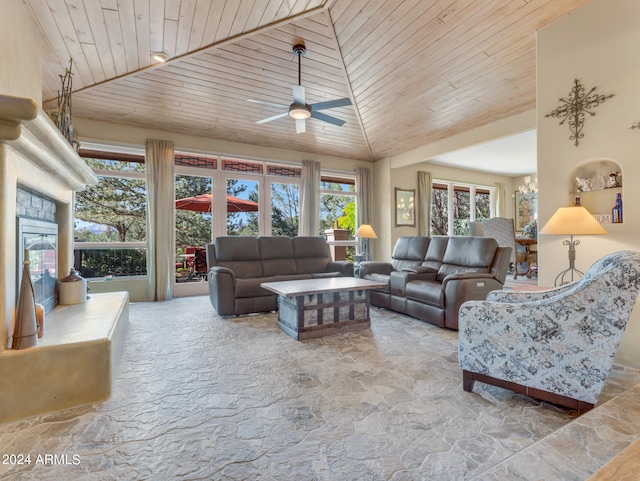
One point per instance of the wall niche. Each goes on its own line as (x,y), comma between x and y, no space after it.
(596,183)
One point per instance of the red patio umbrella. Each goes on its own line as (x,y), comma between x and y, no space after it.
(202,203)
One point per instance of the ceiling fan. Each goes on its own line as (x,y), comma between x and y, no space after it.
(299,109)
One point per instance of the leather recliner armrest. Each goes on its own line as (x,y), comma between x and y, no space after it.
(460,276)
(222,290)
(375,267)
(344,267)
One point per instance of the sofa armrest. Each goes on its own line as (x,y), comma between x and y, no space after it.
(375,267)
(461,276)
(344,267)
(222,290)
(462,287)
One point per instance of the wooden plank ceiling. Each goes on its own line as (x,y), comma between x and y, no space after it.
(416,71)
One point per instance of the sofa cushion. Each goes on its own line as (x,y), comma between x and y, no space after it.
(429,292)
(240,254)
(250,287)
(409,251)
(435,252)
(467,254)
(291,277)
(312,254)
(277,256)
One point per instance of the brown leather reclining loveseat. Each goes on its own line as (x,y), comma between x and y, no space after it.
(430,277)
(238,265)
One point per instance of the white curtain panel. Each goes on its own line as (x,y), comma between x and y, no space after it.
(363,187)
(160,218)
(363,205)
(310,204)
(424,203)
(501,200)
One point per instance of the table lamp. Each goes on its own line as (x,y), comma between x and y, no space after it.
(366,232)
(571,221)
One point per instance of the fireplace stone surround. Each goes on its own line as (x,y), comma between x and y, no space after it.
(35,157)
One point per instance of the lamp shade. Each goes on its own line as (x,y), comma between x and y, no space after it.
(365,231)
(572,221)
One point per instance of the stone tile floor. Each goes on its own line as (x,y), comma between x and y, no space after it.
(202,397)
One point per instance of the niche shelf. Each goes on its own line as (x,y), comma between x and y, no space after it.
(597,196)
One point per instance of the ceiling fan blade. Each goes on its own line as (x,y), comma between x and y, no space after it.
(271,104)
(298,94)
(327,118)
(301,126)
(269,119)
(330,104)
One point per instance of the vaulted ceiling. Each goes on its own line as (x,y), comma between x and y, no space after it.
(416,71)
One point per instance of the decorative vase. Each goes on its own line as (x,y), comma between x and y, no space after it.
(72,289)
(616,212)
(25,332)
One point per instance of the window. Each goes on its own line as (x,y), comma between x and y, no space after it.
(285,209)
(454,205)
(110,221)
(193,225)
(243,206)
(262,198)
(337,203)
(338,211)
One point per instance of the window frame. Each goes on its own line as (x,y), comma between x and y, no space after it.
(473,189)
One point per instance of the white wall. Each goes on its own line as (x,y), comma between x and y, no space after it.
(20,54)
(600,46)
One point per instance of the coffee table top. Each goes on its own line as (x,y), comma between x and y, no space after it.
(321,285)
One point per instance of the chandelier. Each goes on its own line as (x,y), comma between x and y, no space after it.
(529,187)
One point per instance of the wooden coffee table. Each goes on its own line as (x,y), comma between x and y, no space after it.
(311,308)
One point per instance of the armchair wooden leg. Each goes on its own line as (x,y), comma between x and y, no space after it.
(467,381)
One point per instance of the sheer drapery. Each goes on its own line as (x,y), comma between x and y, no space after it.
(363,188)
(501,200)
(310,195)
(363,204)
(424,202)
(160,218)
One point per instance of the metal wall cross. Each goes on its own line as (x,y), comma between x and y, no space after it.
(574,108)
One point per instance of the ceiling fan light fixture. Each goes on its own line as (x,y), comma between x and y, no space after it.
(299,112)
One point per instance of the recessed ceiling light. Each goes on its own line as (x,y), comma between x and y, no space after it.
(159,57)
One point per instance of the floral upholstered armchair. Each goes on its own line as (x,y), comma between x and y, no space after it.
(556,345)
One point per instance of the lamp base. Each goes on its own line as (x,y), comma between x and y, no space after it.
(572,271)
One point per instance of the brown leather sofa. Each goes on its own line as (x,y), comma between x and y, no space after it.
(238,265)
(430,277)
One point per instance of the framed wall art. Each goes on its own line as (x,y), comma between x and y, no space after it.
(405,207)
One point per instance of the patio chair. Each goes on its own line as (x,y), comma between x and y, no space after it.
(200,263)
(556,345)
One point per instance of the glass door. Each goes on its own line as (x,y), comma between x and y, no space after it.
(243,206)
(193,227)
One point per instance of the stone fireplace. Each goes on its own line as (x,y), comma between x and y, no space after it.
(35,160)
(75,360)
